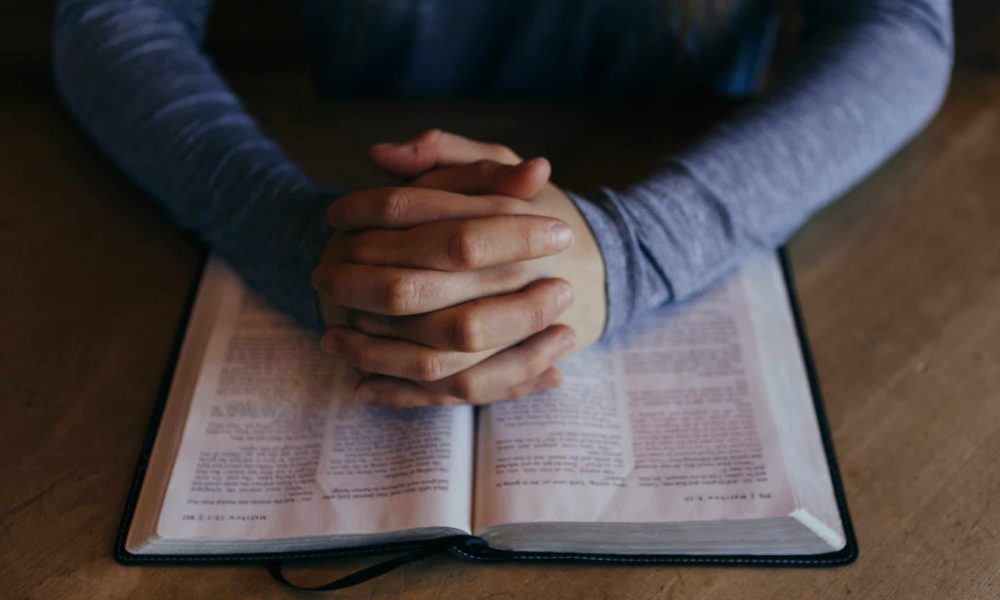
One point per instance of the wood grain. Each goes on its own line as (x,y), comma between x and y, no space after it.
(899,284)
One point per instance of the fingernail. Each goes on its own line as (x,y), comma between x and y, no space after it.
(562,235)
(564,296)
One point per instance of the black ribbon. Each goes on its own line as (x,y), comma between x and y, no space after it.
(428,548)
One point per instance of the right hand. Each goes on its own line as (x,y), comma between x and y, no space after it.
(443,293)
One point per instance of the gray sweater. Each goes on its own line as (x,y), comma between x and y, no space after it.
(869,75)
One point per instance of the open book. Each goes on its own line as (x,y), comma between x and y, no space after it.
(695,435)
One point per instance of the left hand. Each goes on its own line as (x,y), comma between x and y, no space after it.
(449,162)
(487,360)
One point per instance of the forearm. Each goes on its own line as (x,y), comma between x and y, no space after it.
(867,79)
(134,76)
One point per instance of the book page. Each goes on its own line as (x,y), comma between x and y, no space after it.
(273,446)
(669,423)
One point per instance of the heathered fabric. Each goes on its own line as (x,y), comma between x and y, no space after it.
(869,75)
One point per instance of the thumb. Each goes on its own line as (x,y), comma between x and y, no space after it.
(523,180)
(436,148)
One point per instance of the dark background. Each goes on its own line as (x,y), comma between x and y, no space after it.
(899,282)
(263,35)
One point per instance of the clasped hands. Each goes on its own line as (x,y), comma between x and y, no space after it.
(466,284)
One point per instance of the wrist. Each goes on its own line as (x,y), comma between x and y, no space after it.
(607,237)
(582,265)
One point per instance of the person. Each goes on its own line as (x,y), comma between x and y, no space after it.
(473,277)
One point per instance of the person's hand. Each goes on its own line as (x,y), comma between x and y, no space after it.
(442,321)
(438,272)
(436,156)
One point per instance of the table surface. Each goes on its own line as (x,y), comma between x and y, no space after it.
(899,283)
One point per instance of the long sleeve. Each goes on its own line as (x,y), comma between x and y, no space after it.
(133,74)
(869,75)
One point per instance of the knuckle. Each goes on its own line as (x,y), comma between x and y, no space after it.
(427,144)
(467,333)
(394,205)
(465,249)
(430,136)
(430,367)
(402,295)
(537,316)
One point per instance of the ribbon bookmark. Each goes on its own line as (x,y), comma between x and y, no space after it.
(427,549)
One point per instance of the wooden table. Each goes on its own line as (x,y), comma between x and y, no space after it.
(899,283)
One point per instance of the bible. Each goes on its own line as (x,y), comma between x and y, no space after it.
(698,436)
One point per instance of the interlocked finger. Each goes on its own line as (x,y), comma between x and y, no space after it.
(478,325)
(498,377)
(462,244)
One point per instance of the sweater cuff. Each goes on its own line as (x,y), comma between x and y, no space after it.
(292,240)
(664,239)
(616,241)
